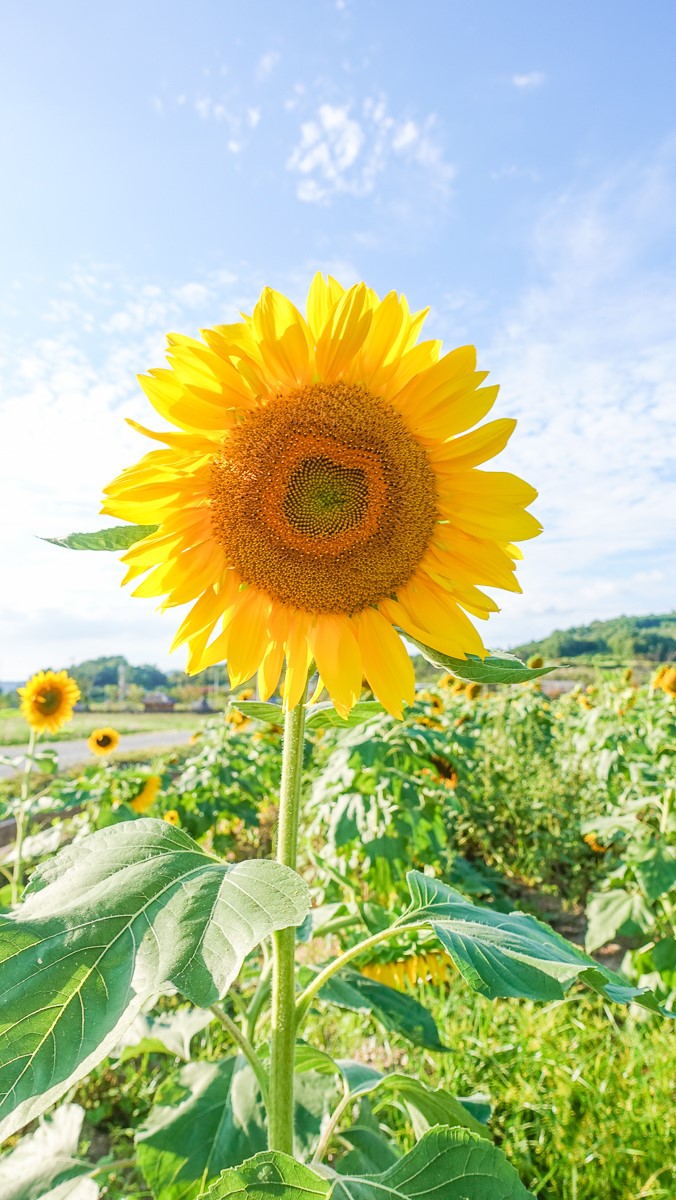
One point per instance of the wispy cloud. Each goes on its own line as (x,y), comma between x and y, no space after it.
(587,361)
(344,149)
(530,79)
(266,65)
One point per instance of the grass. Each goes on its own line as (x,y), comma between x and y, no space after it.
(14,731)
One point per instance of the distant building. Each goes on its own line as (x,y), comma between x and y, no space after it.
(201,706)
(158,702)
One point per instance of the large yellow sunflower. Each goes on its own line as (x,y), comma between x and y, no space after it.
(321,494)
(48,699)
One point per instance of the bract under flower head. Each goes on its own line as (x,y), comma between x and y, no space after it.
(322,493)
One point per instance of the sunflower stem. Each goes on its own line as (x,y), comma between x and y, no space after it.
(17,874)
(283,1040)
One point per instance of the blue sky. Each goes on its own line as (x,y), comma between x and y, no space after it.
(511,165)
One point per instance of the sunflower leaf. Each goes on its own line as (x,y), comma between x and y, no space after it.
(324,716)
(452,1163)
(258,710)
(497,667)
(132,911)
(512,954)
(118,537)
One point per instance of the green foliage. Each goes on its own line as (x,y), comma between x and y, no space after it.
(454,1162)
(117,537)
(511,954)
(206,1117)
(45,1158)
(497,667)
(96,937)
(649,637)
(137,911)
(396,1011)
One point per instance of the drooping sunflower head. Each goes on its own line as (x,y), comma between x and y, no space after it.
(48,699)
(322,495)
(103,741)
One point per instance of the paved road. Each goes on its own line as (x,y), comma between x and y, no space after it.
(73,753)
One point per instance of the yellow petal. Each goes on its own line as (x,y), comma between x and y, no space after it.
(248,635)
(387,665)
(202,616)
(462,453)
(298,659)
(336,652)
(344,334)
(322,299)
(284,338)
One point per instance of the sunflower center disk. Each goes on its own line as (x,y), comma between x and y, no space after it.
(48,701)
(324,499)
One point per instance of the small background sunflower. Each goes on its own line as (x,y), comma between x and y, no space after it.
(48,699)
(103,741)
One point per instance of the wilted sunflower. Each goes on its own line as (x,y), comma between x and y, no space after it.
(322,493)
(103,741)
(48,699)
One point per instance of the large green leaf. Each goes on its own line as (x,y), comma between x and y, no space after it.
(427,1106)
(210,1116)
(497,667)
(171,1033)
(511,954)
(656,872)
(397,1011)
(46,1158)
(616,912)
(132,911)
(117,537)
(449,1164)
(206,1117)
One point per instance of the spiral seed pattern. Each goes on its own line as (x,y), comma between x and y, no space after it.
(323,498)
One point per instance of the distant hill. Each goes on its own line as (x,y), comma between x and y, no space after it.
(652,638)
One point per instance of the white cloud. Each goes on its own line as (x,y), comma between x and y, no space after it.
(531,79)
(587,362)
(63,404)
(344,149)
(514,172)
(266,65)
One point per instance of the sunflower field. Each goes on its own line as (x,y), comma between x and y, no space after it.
(363,935)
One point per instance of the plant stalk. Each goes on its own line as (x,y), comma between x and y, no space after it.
(283,1015)
(244,1045)
(336,964)
(17,874)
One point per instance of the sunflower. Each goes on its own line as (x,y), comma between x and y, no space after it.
(103,741)
(48,699)
(322,495)
(536,661)
(172,817)
(148,794)
(473,691)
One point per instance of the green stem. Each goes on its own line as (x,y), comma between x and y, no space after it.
(17,875)
(283,1040)
(325,1139)
(243,1044)
(336,964)
(258,1001)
